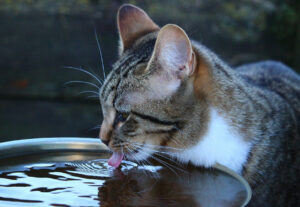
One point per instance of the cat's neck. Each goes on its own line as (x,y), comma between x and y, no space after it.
(226,140)
(221,144)
(225,91)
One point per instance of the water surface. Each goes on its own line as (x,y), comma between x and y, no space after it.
(33,181)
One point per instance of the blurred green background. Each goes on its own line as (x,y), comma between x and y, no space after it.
(39,37)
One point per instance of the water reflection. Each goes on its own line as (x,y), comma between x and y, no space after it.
(196,188)
(94,183)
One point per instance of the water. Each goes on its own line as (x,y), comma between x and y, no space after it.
(26,182)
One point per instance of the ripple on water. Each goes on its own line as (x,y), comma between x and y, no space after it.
(95,183)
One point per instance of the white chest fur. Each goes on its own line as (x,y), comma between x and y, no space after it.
(220,144)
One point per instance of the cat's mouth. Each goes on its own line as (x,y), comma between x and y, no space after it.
(116,159)
(136,154)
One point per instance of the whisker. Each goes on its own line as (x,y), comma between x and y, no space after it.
(94,92)
(162,153)
(134,157)
(173,160)
(142,163)
(165,157)
(158,159)
(94,73)
(100,52)
(169,166)
(158,146)
(123,144)
(85,71)
(93,97)
(82,82)
(95,127)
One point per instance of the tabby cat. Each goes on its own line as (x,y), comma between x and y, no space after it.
(167,93)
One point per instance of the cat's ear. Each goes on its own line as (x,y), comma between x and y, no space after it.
(133,23)
(173,60)
(173,51)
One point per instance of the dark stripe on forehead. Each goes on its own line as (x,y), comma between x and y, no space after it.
(117,67)
(115,95)
(140,54)
(142,59)
(104,87)
(155,120)
(124,74)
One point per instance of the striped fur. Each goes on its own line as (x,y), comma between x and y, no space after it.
(245,118)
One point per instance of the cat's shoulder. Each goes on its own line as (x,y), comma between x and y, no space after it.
(273,77)
(268,69)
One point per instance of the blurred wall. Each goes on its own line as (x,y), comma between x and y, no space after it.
(38,38)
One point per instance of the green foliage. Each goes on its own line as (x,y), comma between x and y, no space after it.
(284,22)
(220,23)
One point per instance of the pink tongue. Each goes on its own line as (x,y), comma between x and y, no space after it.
(116,159)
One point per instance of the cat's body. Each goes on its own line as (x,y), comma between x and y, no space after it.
(273,164)
(167,93)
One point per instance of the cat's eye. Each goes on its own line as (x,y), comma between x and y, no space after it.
(121,117)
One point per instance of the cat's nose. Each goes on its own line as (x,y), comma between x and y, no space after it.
(105,133)
(104,137)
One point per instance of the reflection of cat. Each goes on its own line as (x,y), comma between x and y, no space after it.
(193,189)
(168,94)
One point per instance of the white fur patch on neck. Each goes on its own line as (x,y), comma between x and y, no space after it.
(220,144)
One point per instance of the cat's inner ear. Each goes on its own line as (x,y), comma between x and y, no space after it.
(173,52)
(133,23)
(172,61)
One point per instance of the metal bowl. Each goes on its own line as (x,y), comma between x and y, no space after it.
(14,155)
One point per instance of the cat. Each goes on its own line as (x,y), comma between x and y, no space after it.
(169,94)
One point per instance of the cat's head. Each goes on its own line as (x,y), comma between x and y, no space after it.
(148,99)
